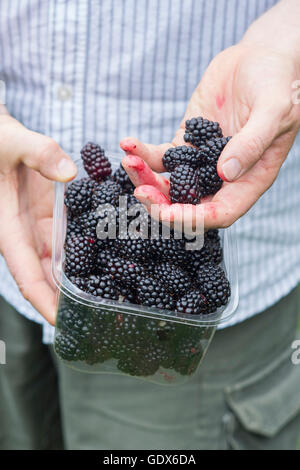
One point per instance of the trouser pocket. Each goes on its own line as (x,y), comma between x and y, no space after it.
(265,408)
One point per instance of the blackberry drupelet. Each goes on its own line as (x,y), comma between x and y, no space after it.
(107,192)
(152,293)
(199,130)
(214,286)
(184,185)
(78,196)
(80,253)
(173,278)
(120,176)
(193,303)
(181,155)
(125,271)
(95,162)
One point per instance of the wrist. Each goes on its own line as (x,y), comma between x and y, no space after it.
(277,30)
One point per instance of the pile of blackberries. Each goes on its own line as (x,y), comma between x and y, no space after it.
(194,169)
(134,268)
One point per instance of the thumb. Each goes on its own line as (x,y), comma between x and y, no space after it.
(247,146)
(44,155)
(39,152)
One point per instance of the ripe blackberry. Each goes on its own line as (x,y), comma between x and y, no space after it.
(137,249)
(69,348)
(164,249)
(104,255)
(193,303)
(78,195)
(214,286)
(181,155)
(152,293)
(107,192)
(125,271)
(210,152)
(102,286)
(95,162)
(188,353)
(73,226)
(199,130)
(80,255)
(174,279)
(107,220)
(209,180)
(120,176)
(184,185)
(133,365)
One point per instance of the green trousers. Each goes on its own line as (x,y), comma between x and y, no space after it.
(245,394)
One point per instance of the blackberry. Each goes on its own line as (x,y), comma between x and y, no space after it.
(120,176)
(169,249)
(209,180)
(95,162)
(133,365)
(80,255)
(107,192)
(211,151)
(199,130)
(174,279)
(102,286)
(125,271)
(104,255)
(181,155)
(193,303)
(214,286)
(184,185)
(69,348)
(152,293)
(78,195)
(137,249)
(107,220)
(210,252)
(188,355)
(73,226)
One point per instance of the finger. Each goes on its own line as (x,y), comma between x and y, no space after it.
(26,269)
(246,148)
(22,259)
(141,174)
(152,154)
(35,150)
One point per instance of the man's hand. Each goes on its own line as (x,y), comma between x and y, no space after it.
(28,161)
(248,90)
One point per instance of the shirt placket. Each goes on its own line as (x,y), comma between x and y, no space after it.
(67,45)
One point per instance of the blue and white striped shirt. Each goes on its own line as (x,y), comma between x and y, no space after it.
(100,70)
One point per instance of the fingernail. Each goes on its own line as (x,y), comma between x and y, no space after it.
(231,169)
(66,168)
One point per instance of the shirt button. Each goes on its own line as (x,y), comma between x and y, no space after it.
(64,93)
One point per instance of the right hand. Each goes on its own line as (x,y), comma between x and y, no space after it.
(28,161)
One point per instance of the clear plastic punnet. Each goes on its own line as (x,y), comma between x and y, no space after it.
(106,336)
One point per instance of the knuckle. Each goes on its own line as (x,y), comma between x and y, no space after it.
(254,145)
(49,148)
